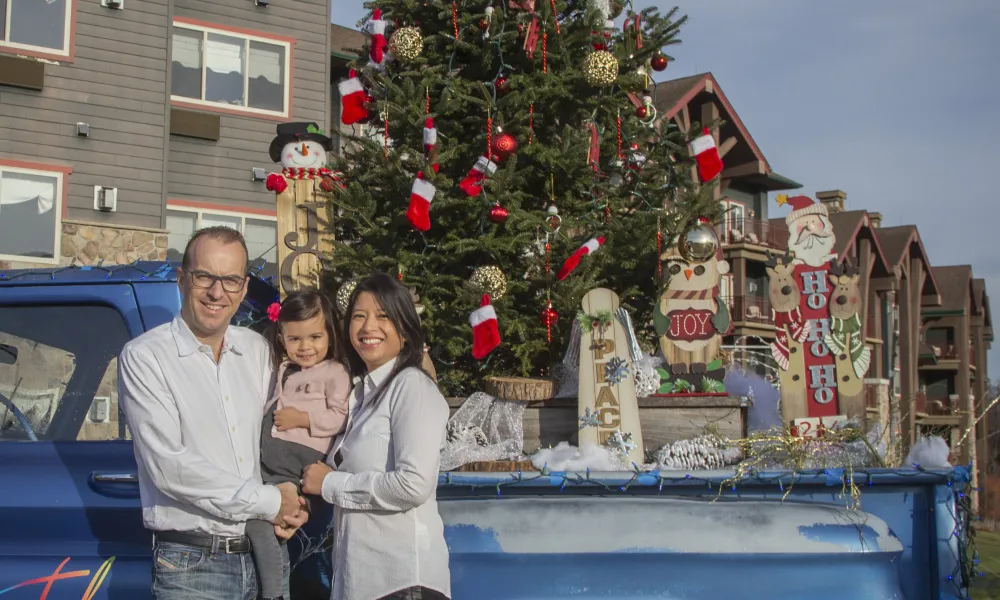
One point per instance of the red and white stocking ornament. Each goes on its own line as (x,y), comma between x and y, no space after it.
(485,329)
(587,249)
(376,29)
(352,99)
(706,154)
(421,196)
(472,184)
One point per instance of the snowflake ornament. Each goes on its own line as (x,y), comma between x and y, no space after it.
(620,443)
(616,370)
(589,419)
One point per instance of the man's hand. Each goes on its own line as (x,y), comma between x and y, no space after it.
(290,418)
(292,524)
(313,476)
(291,505)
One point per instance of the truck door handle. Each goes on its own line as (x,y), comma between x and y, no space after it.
(116,478)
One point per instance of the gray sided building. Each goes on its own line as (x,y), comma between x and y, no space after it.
(126,125)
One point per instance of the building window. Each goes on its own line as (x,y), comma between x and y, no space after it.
(29,214)
(222,68)
(36,27)
(259,231)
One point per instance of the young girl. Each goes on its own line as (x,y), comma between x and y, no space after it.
(389,536)
(307,409)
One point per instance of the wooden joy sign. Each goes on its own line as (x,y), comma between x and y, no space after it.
(613,401)
(304,235)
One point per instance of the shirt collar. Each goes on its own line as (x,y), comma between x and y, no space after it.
(188,344)
(376,377)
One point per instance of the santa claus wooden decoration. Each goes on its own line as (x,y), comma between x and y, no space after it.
(691,316)
(302,209)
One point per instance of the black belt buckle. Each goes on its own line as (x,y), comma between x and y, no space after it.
(236,545)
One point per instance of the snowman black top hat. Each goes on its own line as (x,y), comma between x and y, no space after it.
(298,132)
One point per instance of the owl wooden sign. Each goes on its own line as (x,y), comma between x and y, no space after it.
(691,316)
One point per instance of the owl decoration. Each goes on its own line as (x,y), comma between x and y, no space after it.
(691,316)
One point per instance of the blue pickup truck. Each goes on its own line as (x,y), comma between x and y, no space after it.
(70,523)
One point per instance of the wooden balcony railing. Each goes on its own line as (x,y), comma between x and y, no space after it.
(871,397)
(871,329)
(753,231)
(920,403)
(940,406)
(750,309)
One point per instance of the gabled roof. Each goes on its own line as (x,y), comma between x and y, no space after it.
(983,304)
(848,225)
(670,97)
(904,241)
(956,287)
(345,42)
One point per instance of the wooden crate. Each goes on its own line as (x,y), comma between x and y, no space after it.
(663,419)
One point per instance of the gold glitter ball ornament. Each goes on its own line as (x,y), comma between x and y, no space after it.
(406,43)
(344,294)
(600,68)
(698,242)
(490,280)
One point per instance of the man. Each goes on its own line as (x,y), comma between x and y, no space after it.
(193,393)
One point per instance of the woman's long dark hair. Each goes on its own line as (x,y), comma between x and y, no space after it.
(397,304)
(302,306)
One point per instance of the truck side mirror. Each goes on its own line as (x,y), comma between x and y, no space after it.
(8,354)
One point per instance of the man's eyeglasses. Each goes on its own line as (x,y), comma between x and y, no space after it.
(230,283)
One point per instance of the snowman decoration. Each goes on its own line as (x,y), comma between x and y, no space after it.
(301,149)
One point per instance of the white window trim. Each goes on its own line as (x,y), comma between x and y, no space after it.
(57,206)
(223,213)
(247,38)
(67,27)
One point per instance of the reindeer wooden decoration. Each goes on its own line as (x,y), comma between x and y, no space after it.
(845,339)
(791,331)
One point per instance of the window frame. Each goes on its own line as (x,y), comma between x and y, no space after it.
(199,208)
(69,37)
(248,36)
(58,204)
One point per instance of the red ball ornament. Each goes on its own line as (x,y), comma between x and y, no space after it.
(641,112)
(498,214)
(658,62)
(549,316)
(484,25)
(504,145)
(501,84)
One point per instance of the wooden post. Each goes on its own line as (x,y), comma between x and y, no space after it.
(305,235)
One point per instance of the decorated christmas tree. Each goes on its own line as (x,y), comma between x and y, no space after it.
(497,146)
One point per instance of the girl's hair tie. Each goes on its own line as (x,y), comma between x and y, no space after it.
(274,311)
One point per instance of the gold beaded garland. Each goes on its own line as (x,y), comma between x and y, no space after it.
(406,43)
(600,68)
(490,280)
(344,294)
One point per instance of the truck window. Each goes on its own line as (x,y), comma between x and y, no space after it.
(58,372)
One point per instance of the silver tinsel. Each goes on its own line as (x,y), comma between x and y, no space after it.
(484,428)
(703,452)
(821,455)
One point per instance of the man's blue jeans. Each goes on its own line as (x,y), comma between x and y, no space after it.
(182,572)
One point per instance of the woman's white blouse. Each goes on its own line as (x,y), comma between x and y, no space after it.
(388,534)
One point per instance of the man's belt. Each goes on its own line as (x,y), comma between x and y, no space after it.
(215,543)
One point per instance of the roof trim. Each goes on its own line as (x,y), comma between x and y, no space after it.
(865,222)
(914,238)
(708,83)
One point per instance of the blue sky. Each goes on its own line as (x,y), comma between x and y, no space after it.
(893,102)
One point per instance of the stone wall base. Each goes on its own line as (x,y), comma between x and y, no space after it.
(87,244)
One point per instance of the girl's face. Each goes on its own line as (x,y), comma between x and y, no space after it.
(306,342)
(373,335)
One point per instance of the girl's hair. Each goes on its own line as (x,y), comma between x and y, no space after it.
(302,306)
(397,303)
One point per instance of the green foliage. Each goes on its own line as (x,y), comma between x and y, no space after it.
(547,111)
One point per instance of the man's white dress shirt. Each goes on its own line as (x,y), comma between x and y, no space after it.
(195,428)
(388,533)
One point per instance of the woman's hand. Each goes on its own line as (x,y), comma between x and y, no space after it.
(313,476)
(290,418)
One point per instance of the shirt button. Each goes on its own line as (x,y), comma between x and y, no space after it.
(241,459)
(234,430)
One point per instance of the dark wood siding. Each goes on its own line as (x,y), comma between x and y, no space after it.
(220,171)
(117,84)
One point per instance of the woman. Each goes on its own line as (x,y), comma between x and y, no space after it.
(382,472)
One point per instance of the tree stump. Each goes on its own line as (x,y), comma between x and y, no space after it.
(520,389)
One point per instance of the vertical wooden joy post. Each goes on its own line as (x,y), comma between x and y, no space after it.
(305,232)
